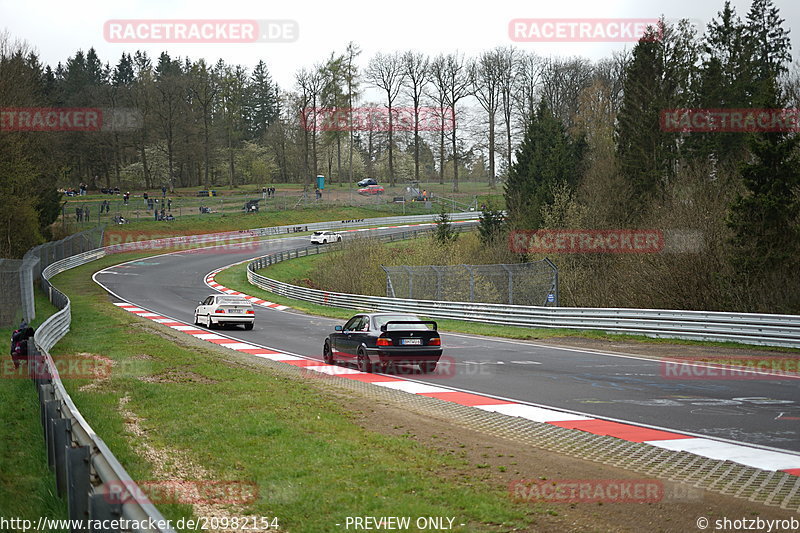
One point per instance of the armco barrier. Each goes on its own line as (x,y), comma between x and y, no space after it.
(86,470)
(746,328)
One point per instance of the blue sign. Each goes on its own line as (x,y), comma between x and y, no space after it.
(551,298)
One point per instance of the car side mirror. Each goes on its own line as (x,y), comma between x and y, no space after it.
(338,328)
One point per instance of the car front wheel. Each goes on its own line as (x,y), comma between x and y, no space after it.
(327,355)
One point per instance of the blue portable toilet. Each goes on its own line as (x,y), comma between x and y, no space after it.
(320,182)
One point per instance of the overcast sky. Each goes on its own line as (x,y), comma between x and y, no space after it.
(57,28)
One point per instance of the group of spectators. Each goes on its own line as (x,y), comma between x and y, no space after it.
(19,343)
(268,192)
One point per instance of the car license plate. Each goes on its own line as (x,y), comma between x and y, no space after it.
(410,341)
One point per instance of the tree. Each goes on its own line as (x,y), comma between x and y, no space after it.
(547,157)
(766,217)
(486,77)
(491,226)
(444,233)
(386,72)
(262,102)
(204,88)
(417,73)
(351,78)
(451,77)
(169,106)
(657,78)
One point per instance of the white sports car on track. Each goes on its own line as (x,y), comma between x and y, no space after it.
(219,309)
(324,237)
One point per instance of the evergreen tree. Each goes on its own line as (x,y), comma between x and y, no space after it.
(444,233)
(546,157)
(766,218)
(262,102)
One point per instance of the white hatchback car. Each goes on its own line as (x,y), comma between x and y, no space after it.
(324,237)
(220,309)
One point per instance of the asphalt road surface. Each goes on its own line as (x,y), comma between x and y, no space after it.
(762,412)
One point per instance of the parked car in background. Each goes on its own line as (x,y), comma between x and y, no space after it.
(367,181)
(324,237)
(219,309)
(371,189)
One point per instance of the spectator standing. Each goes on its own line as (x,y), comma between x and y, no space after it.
(169,204)
(146,197)
(125,198)
(163,191)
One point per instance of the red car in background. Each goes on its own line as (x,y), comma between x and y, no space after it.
(371,189)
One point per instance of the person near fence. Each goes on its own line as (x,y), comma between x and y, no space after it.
(125,198)
(19,343)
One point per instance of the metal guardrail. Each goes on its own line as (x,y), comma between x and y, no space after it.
(745,328)
(94,482)
(96,485)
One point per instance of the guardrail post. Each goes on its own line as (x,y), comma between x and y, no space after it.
(62,428)
(50,413)
(104,505)
(46,394)
(77,460)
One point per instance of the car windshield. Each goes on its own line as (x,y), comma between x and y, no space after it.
(233,300)
(383,319)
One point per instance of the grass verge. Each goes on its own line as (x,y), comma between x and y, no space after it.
(27,486)
(313,464)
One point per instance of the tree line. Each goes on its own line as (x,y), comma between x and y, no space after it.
(612,164)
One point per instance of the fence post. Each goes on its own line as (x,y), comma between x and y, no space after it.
(62,428)
(77,460)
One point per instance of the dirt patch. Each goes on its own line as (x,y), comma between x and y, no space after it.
(174,375)
(175,476)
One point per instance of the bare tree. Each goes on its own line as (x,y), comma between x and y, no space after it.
(528,76)
(204,90)
(351,77)
(563,80)
(385,71)
(506,58)
(417,75)
(485,75)
(310,84)
(451,77)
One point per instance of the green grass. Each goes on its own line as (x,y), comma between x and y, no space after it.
(27,486)
(294,271)
(313,463)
